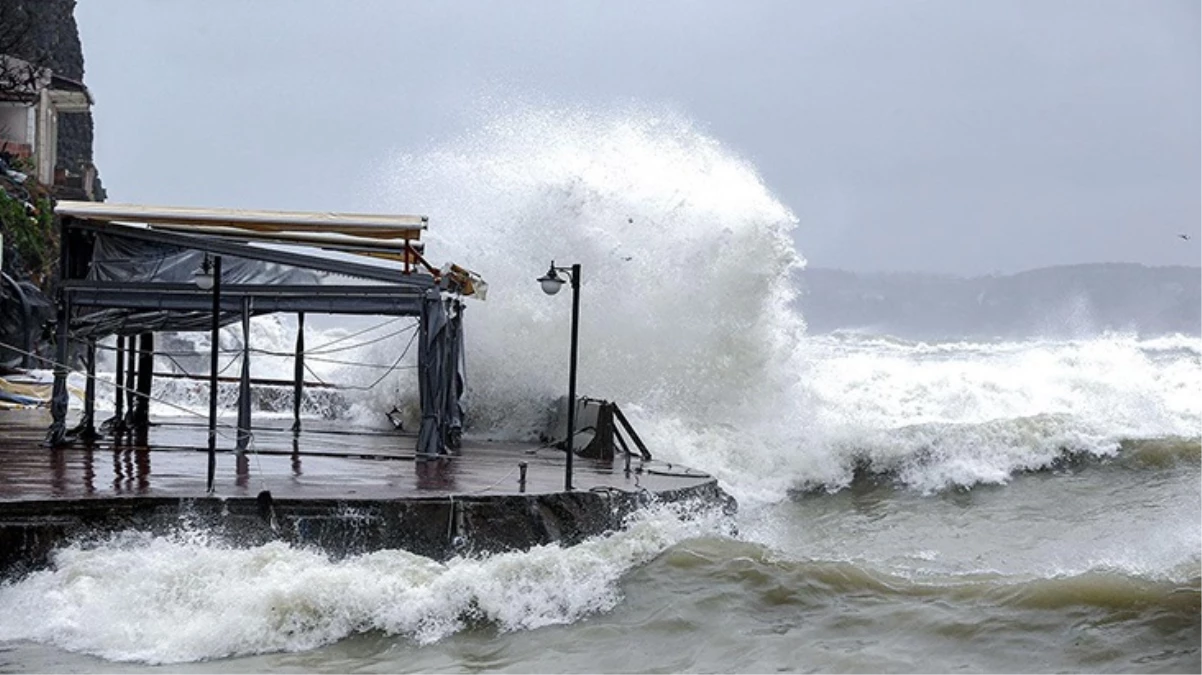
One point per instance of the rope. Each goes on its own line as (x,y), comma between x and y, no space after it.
(357,334)
(308,354)
(237,355)
(58,367)
(76,338)
(394,367)
(322,349)
(314,374)
(357,345)
(489,487)
(378,366)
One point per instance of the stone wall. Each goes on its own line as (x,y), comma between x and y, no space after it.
(53,42)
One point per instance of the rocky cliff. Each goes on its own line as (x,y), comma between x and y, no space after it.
(44,34)
(47,36)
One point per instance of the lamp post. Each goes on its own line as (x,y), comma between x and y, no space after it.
(209,277)
(551,283)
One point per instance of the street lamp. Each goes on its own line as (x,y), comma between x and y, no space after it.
(551,283)
(203,277)
(209,277)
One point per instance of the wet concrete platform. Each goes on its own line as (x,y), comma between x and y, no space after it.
(345,490)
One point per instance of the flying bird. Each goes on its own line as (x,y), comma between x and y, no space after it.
(1184,236)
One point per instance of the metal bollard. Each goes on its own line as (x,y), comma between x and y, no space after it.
(521,476)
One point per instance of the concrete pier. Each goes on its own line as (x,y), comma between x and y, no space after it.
(342,490)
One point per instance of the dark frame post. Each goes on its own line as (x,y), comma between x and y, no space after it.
(298,372)
(119,390)
(567,477)
(131,380)
(213,347)
(87,427)
(59,398)
(145,381)
(244,434)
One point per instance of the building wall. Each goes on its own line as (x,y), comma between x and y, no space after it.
(14,122)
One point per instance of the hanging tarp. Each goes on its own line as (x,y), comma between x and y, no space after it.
(117,258)
(431,367)
(126,260)
(23,311)
(106,322)
(453,414)
(133,269)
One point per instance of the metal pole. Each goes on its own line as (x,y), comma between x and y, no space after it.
(131,380)
(59,398)
(567,478)
(119,399)
(145,380)
(298,372)
(88,427)
(213,371)
(244,380)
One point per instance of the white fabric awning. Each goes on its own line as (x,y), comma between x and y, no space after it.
(376,226)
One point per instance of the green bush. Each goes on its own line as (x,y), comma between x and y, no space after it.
(30,242)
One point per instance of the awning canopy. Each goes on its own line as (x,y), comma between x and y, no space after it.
(131,269)
(356,224)
(132,266)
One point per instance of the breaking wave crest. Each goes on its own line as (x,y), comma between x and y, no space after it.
(942,415)
(186,597)
(688,322)
(685,254)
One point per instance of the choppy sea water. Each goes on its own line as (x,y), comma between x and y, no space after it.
(1090,567)
(1017,506)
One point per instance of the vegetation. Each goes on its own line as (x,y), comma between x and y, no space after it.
(30,239)
(26,211)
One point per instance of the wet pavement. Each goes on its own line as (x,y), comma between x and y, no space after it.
(322,462)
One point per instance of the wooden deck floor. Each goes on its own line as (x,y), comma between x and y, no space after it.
(323,462)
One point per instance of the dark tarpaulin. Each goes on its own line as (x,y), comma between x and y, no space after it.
(131,322)
(121,259)
(432,384)
(23,311)
(117,258)
(455,375)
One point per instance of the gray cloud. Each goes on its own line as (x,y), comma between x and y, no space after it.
(943,136)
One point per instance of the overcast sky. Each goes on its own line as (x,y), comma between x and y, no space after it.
(944,136)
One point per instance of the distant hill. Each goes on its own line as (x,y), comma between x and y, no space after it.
(1065,301)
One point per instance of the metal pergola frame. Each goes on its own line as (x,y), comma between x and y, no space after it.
(416,289)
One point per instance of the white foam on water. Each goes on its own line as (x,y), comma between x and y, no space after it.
(687,322)
(185,598)
(685,257)
(957,414)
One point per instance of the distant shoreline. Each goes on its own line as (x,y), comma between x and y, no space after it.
(1060,301)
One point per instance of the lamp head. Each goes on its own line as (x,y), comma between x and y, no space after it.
(203,277)
(551,282)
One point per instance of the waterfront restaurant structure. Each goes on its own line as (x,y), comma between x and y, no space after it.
(133,270)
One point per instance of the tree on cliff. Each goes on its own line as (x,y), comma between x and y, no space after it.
(19,71)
